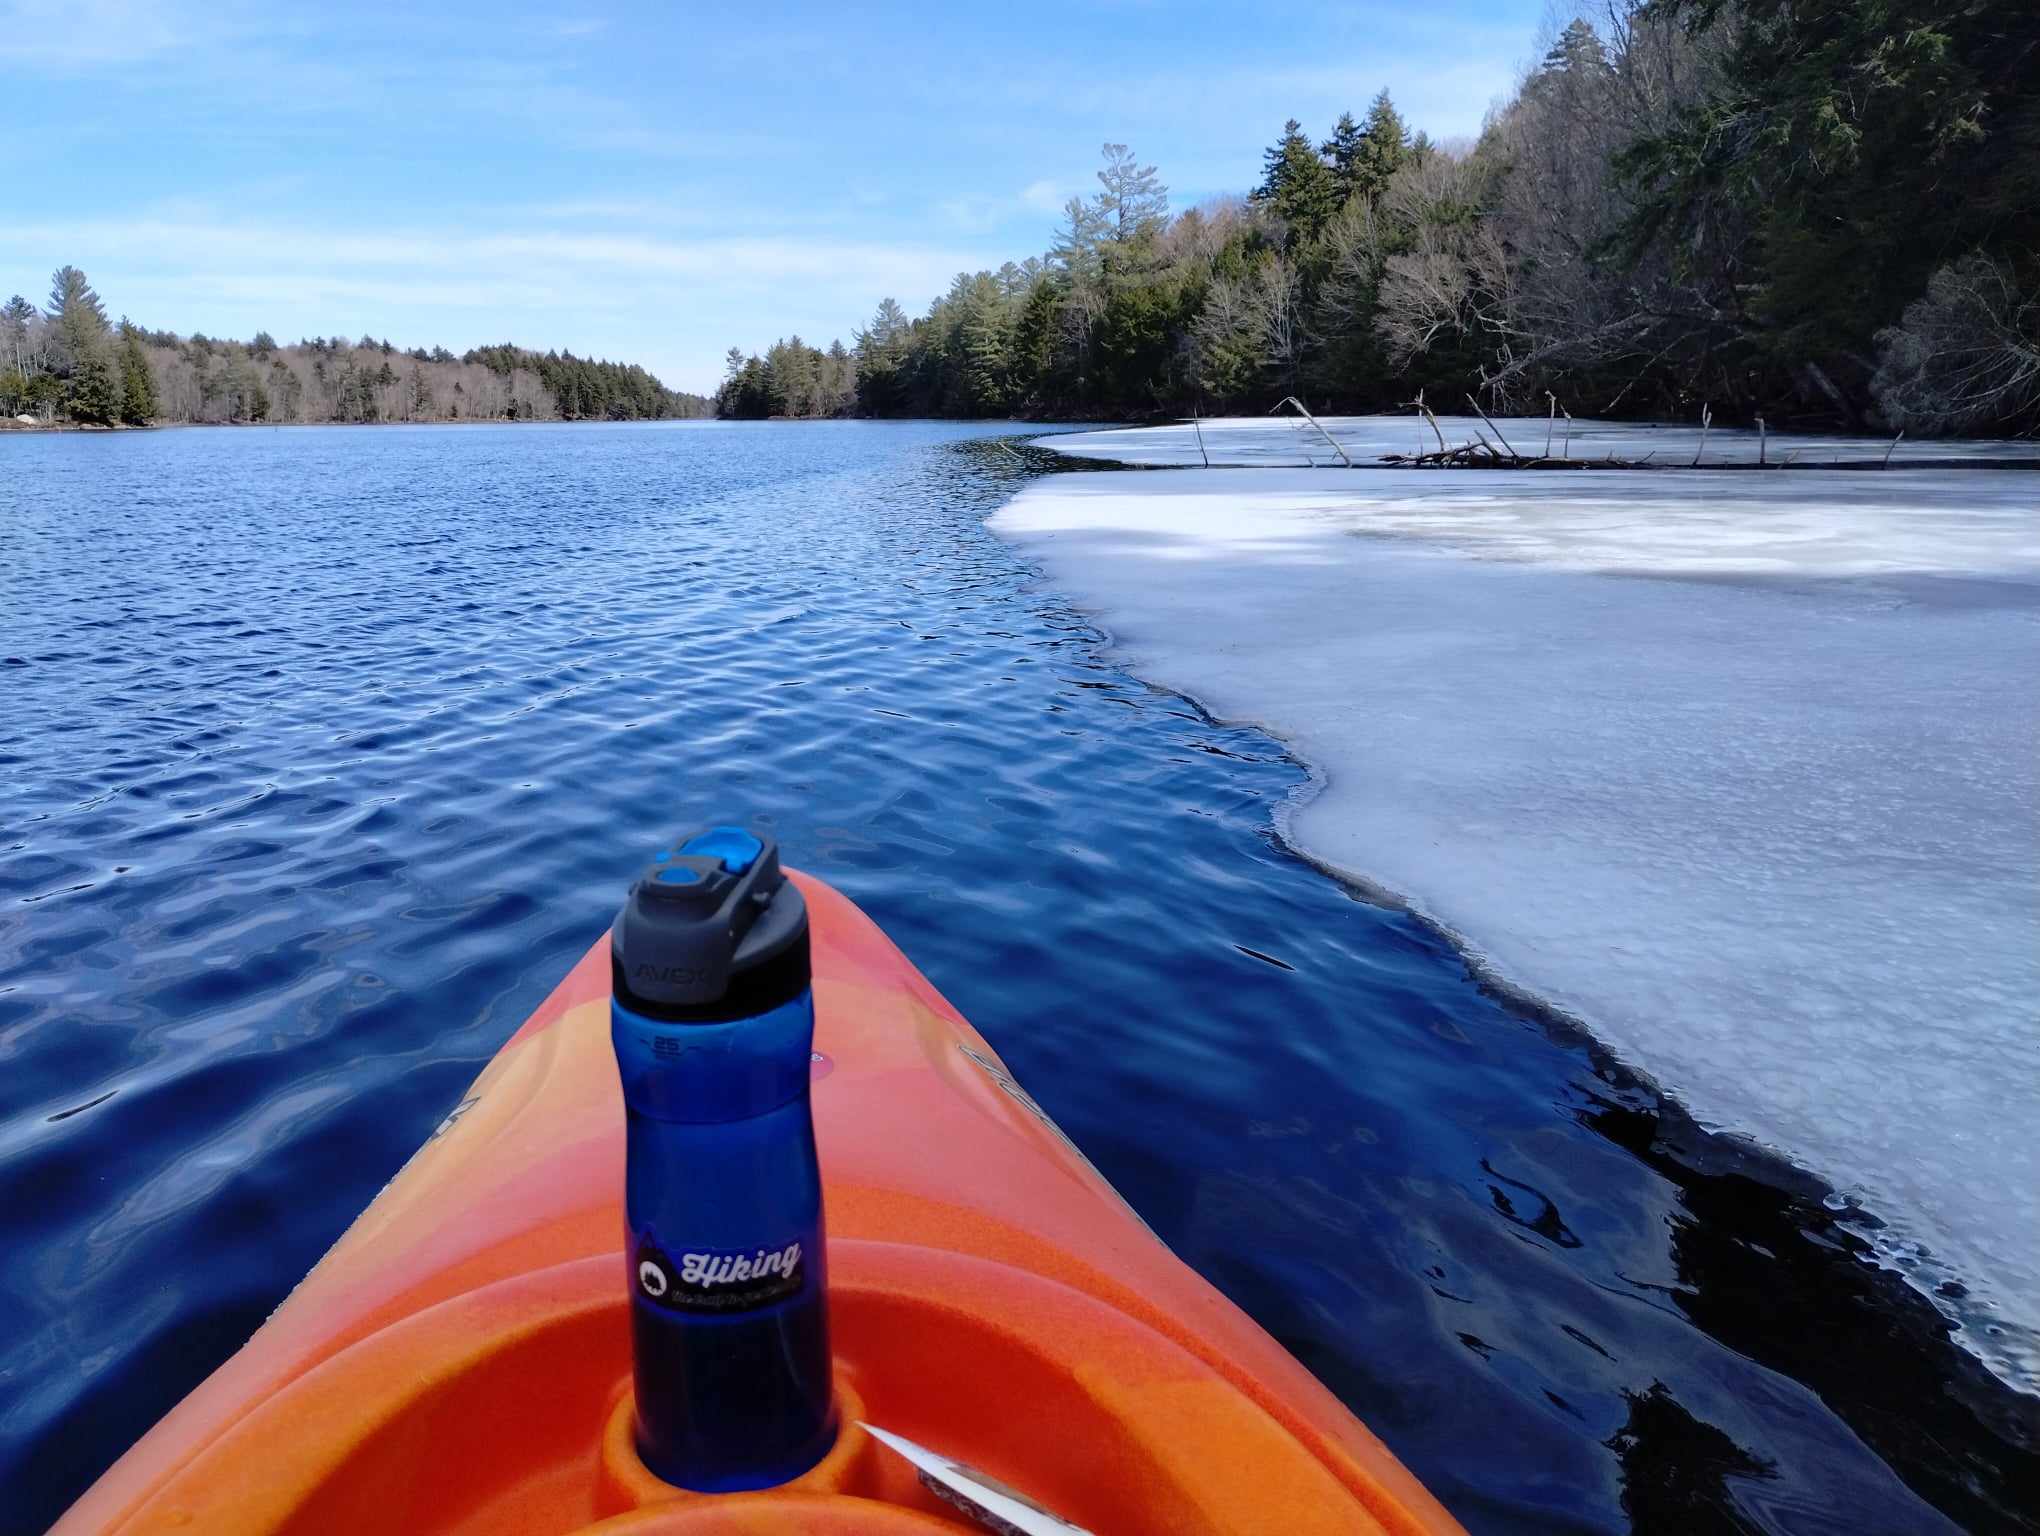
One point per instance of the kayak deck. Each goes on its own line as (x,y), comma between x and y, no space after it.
(460,1361)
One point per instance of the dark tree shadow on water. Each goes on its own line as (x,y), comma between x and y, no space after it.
(1678,1472)
(1767,1269)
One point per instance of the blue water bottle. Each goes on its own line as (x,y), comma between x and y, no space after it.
(713,1023)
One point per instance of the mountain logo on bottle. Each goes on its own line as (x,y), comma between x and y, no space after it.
(719,1280)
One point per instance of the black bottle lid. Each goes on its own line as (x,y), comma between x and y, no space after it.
(713,930)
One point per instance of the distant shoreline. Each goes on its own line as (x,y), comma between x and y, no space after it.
(9,424)
(26,428)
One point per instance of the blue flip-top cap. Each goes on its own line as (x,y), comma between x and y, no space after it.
(712,927)
(737,848)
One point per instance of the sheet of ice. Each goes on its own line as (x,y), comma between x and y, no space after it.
(1289,440)
(1739,771)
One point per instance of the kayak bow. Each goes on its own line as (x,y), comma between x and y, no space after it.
(460,1361)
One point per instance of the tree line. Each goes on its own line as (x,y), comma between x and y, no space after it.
(67,362)
(1819,214)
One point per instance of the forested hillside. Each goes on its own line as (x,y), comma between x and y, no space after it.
(68,363)
(1819,213)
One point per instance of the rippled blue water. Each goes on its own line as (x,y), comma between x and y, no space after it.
(323,753)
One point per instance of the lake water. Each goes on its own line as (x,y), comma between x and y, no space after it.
(324,752)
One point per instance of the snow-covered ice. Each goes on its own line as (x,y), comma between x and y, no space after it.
(1290,440)
(1741,771)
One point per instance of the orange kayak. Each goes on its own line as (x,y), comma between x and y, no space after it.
(460,1361)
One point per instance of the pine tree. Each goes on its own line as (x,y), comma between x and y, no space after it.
(137,384)
(790,368)
(1133,201)
(890,324)
(881,349)
(839,379)
(1578,49)
(78,328)
(985,334)
(1077,241)
(71,297)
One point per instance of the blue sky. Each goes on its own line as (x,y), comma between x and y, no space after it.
(653,184)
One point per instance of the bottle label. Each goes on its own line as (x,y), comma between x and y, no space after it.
(718,1279)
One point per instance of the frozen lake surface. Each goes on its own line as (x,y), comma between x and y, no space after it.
(1289,440)
(1738,770)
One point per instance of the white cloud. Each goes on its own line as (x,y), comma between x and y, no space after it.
(1045,196)
(983,213)
(198,246)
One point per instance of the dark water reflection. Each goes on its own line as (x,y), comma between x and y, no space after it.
(324,752)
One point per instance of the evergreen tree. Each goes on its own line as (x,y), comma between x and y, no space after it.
(1132,201)
(1275,162)
(881,354)
(78,329)
(254,397)
(1298,186)
(890,325)
(839,379)
(138,405)
(1836,204)
(91,392)
(1034,339)
(985,337)
(1383,148)
(1077,241)
(791,366)
(72,298)
(1227,340)
(1578,49)
(1840,157)
(1342,149)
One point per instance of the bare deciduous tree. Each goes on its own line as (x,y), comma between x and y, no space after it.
(1966,354)
(1451,278)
